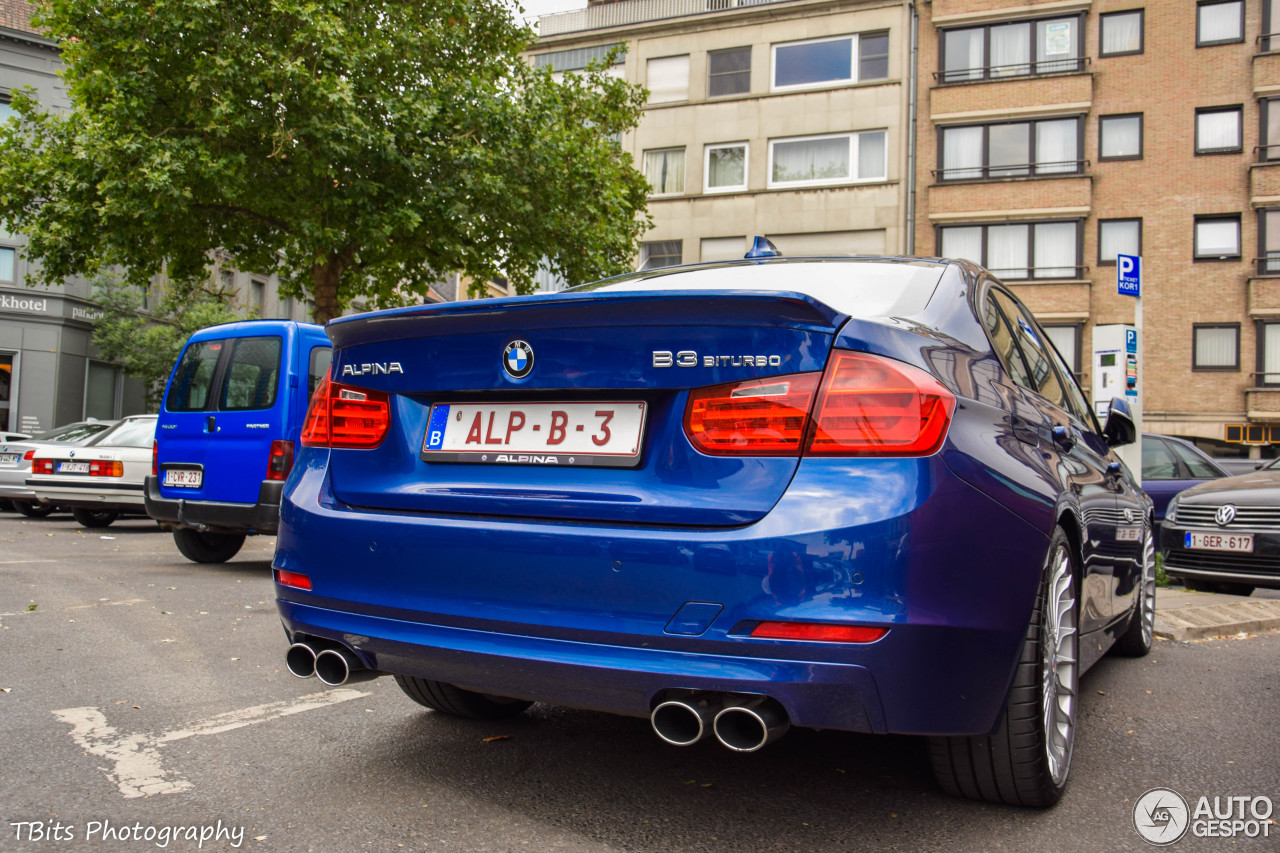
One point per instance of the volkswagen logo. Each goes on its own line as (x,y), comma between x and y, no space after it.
(517,359)
(1225,515)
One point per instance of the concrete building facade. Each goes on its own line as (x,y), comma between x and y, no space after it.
(783,119)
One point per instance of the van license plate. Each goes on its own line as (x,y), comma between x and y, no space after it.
(183,478)
(1242,542)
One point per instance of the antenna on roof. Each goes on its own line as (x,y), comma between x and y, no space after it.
(762,247)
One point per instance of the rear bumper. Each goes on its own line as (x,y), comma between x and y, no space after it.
(114,497)
(217,516)
(585,614)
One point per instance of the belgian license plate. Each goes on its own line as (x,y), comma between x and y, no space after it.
(73,467)
(591,434)
(1242,542)
(183,478)
(8,458)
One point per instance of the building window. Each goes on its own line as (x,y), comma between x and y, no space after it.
(1269,354)
(1216,346)
(1120,137)
(1015,149)
(1067,341)
(257,294)
(1217,238)
(7,258)
(994,51)
(665,170)
(1024,250)
(1219,130)
(1269,24)
(227,281)
(668,79)
(578,58)
(663,253)
(1121,33)
(6,109)
(1269,241)
(1219,23)
(1269,115)
(1118,237)
(725,168)
(832,159)
(824,62)
(729,72)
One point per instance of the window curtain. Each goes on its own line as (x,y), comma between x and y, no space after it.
(1219,21)
(1218,130)
(1271,353)
(961,153)
(1056,146)
(1007,250)
(1215,347)
(1121,33)
(963,242)
(1270,237)
(1010,50)
(811,160)
(668,79)
(1118,238)
(665,170)
(1055,250)
(1272,139)
(1064,338)
(964,60)
(871,155)
(1121,137)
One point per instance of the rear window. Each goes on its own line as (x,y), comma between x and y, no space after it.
(71,433)
(189,391)
(139,433)
(253,375)
(855,287)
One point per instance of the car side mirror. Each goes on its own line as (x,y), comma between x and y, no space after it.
(1120,429)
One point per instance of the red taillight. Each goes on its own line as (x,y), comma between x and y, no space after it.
(293,579)
(155,458)
(42,466)
(345,416)
(280,462)
(760,417)
(105,468)
(873,406)
(26,457)
(818,632)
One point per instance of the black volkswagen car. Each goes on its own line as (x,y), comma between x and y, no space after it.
(1224,535)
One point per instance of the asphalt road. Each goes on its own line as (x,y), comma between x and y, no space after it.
(143,690)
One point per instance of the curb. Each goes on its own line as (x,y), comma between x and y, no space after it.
(1216,620)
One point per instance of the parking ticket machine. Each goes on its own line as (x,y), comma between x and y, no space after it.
(1117,373)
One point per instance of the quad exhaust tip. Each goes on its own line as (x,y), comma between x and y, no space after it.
(684,722)
(752,725)
(740,722)
(333,666)
(301,660)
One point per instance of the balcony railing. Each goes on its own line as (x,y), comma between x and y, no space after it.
(1005,72)
(1264,42)
(1269,265)
(1043,169)
(620,14)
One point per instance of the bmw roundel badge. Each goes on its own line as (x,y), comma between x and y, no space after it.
(517,359)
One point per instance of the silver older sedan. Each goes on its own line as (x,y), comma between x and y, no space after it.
(16,456)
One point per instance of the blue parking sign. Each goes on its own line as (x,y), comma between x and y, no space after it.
(1129,275)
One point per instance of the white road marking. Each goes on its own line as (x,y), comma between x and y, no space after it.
(138,772)
(23,562)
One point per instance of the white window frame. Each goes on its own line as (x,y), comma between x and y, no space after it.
(853,137)
(706,166)
(821,84)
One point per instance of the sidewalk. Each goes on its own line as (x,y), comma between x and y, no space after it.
(1185,615)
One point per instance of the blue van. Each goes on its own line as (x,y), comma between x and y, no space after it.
(233,409)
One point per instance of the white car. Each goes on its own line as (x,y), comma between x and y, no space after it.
(101,481)
(15,462)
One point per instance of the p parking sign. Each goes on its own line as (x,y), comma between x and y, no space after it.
(1129,275)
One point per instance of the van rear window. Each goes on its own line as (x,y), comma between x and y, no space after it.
(189,391)
(253,375)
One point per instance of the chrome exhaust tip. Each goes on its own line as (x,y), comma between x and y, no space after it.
(684,722)
(751,725)
(340,666)
(301,660)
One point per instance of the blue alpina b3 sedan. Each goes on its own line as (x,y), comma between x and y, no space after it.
(861,494)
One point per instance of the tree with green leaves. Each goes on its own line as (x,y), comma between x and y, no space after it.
(146,343)
(362,148)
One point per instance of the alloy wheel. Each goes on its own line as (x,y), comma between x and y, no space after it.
(1060,656)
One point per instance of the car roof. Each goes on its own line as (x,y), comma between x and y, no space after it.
(251,327)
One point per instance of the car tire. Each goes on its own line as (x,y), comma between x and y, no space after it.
(6,506)
(456,702)
(207,547)
(1138,638)
(1026,760)
(32,510)
(94,518)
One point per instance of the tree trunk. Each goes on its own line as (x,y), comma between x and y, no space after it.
(324,286)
